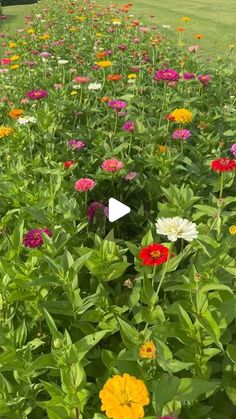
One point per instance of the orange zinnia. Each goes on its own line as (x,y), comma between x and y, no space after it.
(16,113)
(180,29)
(148,350)
(114,77)
(101,54)
(199,36)
(105,99)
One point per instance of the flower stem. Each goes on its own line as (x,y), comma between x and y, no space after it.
(163,274)
(221,184)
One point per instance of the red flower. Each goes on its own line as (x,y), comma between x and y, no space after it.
(154,254)
(224,164)
(68,164)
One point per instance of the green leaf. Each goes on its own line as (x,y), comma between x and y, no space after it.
(52,325)
(147,292)
(129,334)
(209,324)
(84,345)
(185,319)
(191,388)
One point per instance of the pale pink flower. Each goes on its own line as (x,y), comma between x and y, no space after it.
(112,165)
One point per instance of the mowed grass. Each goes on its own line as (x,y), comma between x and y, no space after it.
(215,19)
(15,17)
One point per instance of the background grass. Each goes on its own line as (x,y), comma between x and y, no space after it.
(215,19)
(15,17)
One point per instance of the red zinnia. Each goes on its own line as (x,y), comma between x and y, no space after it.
(154,254)
(223,164)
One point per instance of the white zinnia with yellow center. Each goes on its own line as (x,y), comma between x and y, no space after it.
(177,228)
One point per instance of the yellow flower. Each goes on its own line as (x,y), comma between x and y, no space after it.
(81,18)
(148,350)
(232,230)
(132,76)
(74,92)
(186,19)
(44,37)
(73,29)
(98,34)
(182,116)
(5,131)
(231,47)
(31,30)
(123,396)
(162,148)
(12,45)
(14,66)
(116,21)
(14,57)
(16,113)
(104,64)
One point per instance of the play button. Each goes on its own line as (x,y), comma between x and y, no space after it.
(117,210)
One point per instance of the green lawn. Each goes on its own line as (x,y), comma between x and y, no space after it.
(213,18)
(15,17)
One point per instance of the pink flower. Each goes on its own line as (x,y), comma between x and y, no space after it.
(194,48)
(112,165)
(204,79)
(130,176)
(81,79)
(76,144)
(117,104)
(181,134)
(233,149)
(188,76)
(24,100)
(34,238)
(93,208)
(37,94)
(167,75)
(5,61)
(58,85)
(84,184)
(128,126)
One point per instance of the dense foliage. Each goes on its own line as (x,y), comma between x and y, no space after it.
(95,105)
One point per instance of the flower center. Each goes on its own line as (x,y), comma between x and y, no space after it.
(155,254)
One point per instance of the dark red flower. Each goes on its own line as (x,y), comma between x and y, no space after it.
(223,164)
(68,164)
(154,254)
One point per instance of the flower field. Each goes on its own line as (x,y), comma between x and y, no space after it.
(132,319)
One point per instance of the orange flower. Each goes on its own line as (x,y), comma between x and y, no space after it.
(162,148)
(16,113)
(123,396)
(105,99)
(5,131)
(148,350)
(180,29)
(199,36)
(114,77)
(101,55)
(135,23)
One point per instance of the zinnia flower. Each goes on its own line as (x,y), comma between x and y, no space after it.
(177,228)
(130,176)
(76,144)
(204,79)
(128,126)
(104,64)
(167,75)
(84,184)
(232,230)
(94,86)
(37,94)
(114,77)
(148,350)
(123,396)
(93,208)
(182,116)
(112,165)
(16,113)
(81,79)
(188,76)
(233,149)
(154,254)
(67,164)
(223,164)
(117,104)
(34,238)
(26,120)
(5,131)
(181,134)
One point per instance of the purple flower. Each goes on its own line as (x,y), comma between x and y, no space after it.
(93,208)
(76,144)
(37,94)
(117,104)
(130,176)
(122,47)
(181,134)
(167,75)
(188,76)
(128,126)
(34,238)
(204,79)
(233,149)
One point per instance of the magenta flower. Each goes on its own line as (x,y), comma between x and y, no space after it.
(130,176)
(189,76)
(167,75)
(76,144)
(233,149)
(128,126)
(34,238)
(181,134)
(117,104)
(84,184)
(37,94)
(167,417)
(93,208)
(112,165)
(6,61)
(204,79)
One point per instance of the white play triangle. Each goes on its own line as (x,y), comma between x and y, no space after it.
(117,210)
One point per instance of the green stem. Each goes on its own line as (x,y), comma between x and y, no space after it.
(153,275)
(163,274)
(221,184)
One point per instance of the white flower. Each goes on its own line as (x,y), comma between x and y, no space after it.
(94,86)
(26,119)
(76,86)
(62,62)
(166,26)
(177,228)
